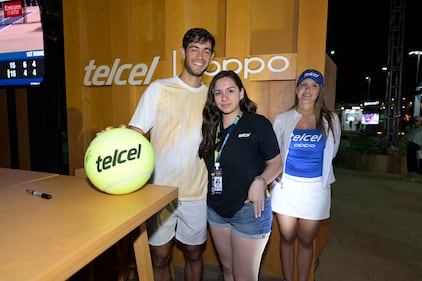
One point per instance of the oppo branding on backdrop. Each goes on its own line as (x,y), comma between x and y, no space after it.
(266,66)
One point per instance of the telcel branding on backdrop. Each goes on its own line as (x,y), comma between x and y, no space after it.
(255,68)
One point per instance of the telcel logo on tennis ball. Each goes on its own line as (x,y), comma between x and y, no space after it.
(119,161)
(118,157)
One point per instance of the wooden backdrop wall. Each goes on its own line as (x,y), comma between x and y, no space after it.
(138,30)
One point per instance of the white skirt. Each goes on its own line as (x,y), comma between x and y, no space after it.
(301,198)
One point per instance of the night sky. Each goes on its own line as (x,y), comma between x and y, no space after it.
(358,32)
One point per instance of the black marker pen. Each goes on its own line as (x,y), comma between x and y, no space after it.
(40,194)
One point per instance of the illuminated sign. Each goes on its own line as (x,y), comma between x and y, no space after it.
(254,68)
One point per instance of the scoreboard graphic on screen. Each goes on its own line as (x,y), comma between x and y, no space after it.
(21,45)
(22,68)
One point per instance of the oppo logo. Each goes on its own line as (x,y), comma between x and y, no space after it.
(264,67)
(252,65)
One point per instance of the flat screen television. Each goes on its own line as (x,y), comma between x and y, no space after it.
(21,44)
(370,118)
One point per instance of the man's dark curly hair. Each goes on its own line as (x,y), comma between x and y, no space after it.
(200,35)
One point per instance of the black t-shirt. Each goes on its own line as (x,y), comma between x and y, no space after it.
(243,157)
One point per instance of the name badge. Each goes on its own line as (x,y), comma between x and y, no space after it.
(217,180)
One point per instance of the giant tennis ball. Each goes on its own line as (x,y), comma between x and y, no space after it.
(119,161)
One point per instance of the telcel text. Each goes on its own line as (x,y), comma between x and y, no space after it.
(118,157)
(104,75)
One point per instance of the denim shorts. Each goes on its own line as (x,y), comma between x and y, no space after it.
(244,223)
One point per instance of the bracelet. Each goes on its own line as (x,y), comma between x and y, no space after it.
(264,181)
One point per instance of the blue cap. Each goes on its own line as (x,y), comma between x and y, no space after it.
(313,74)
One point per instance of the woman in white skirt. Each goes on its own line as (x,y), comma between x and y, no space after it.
(309,138)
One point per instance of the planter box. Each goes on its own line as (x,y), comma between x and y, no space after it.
(386,163)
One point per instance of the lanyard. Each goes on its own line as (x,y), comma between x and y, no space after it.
(217,153)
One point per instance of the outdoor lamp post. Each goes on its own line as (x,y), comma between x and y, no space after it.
(369,86)
(416,53)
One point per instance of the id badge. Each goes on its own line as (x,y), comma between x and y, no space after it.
(217,181)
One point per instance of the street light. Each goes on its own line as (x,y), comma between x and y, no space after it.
(416,53)
(369,86)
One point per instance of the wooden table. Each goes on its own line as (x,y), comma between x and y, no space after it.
(14,176)
(51,239)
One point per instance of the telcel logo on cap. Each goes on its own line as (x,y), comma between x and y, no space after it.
(314,75)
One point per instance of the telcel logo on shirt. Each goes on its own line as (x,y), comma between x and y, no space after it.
(306,140)
(244,135)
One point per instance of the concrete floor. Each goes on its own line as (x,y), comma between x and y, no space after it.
(375,234)
(376,230)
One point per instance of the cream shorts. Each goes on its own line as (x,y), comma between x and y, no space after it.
(185,220)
